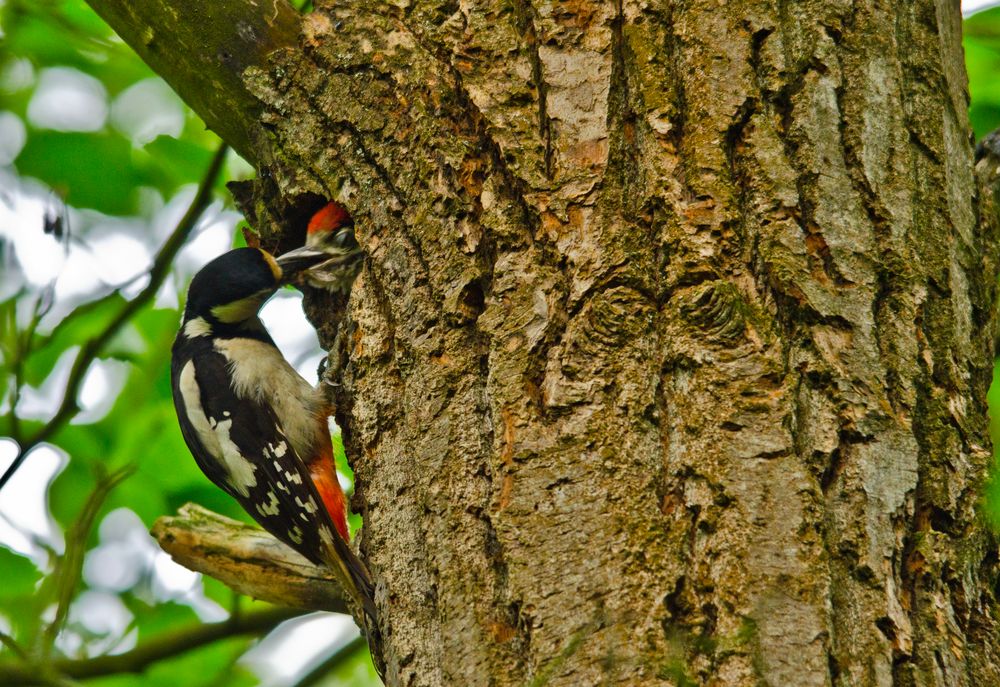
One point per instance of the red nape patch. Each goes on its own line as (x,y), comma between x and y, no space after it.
(325,478)
(331,217)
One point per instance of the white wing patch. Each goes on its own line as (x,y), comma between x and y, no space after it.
(195,413)
(196,327)
(270,508)
(215,435)
(241,477)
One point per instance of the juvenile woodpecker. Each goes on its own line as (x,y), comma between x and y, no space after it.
(256,428)
(331,243)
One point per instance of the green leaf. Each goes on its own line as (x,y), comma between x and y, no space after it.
(20,576)
(155,619)
(218,592)
(19,601)
(982,57)
(70,34)
(357,670)
(90,170)
(69,491)
(83,324)
(141,494)
(179,161)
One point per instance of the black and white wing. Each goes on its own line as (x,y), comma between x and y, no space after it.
(240,445)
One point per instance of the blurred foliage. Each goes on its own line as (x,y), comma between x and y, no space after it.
(982,60)
(102,169)
(106,174)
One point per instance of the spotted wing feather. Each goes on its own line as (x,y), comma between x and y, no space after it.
(278,493)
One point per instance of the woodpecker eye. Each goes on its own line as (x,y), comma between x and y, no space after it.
(345,238)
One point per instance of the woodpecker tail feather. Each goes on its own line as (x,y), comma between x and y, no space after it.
(374,637)
(358,582)
(370,622)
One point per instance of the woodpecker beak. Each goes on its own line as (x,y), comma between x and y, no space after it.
(295,261)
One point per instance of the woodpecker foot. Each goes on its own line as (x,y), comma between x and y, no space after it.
(332,365)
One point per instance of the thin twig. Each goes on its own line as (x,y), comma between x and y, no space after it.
(69,406)
(12,644)
(83,310)
(332,662)
(11,342)
(164,646)
(22,344)
(70,565)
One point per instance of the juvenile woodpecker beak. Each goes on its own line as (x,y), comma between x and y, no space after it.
(295,261)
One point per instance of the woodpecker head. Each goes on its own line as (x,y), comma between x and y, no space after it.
(330,239)
(331,228)
(231,288)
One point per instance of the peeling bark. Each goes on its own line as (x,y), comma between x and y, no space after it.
(248,560)
(669,360)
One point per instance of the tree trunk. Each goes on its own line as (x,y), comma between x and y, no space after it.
(668,363)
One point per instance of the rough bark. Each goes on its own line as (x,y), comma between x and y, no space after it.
(669,360)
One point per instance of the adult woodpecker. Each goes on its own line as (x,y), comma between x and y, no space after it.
(257,429)
(331,243)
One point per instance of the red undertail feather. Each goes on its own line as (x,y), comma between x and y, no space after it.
(324,476)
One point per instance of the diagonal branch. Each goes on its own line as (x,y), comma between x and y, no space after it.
(202,49)
(248,560)
(164,646)
(69,407)
(66,575)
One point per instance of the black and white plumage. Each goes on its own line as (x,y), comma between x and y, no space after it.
(256,428)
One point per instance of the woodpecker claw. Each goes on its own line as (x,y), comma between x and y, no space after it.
(333,363)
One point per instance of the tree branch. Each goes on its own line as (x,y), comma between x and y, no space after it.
(12,644)
(68,408)
(202,50)
(332,662)
(248,560)
(161,647)
(66,575)
(22,346)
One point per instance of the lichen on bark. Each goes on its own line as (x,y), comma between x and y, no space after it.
(670,354)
